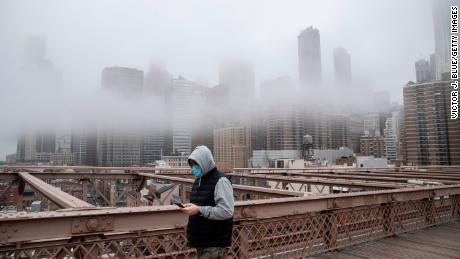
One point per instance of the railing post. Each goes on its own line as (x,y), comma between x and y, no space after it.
(330,230)
(84,189)
(389,219)
(20,200)
(183,192)
(455,201)
(429,211)
(243,242)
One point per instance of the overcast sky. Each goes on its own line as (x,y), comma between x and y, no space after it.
(384,39)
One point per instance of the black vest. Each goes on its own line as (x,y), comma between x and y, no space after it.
(203,232)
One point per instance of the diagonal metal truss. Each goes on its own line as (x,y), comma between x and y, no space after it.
(284,224)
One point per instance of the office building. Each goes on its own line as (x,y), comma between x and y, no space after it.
(232,148)
(430,136)
(342,66)
(123,80)
(309,55)
(373,145)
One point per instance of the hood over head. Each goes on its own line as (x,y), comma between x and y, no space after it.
(203,157)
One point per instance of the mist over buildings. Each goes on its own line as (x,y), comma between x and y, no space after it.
(147,65)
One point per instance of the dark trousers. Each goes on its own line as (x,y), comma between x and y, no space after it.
(212,252)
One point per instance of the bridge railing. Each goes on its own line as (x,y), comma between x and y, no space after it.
(279,227)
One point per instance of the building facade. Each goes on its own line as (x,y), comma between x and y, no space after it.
(342,66)
(285,126)
(441,26)
(185,102)
(373,145)
(84,145)
(309,54)
(232,148)
(123,80)
(390,140)
(424,71)
(119,147)
(430,136)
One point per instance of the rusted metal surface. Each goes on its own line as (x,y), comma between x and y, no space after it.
(385,177)
(332,182)
(354,174)
(289,227)
(284,227)
(236,187)
(62,199)
(75,176)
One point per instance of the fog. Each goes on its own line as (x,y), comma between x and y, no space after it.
(191,39)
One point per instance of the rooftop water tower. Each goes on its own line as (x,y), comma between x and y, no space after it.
(307,148)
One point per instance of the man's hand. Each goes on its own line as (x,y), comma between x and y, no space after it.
(190,209)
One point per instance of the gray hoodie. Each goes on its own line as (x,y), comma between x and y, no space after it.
(223,193)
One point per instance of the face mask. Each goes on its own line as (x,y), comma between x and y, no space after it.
(196,171)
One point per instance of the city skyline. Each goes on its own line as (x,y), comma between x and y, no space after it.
(328,44)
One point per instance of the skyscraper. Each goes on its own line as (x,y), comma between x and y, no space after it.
(309,52)
(232,148)
(156,80)
(45,141)
(37,71)
(424,71)
(63,141)
(185,101)
(340,132)
(373,145)
(317,124)
(390,140)
(121,147)
(27,147)
(342,66)
(356,130)
(441,25)
(371,122)
(123,80)
(430,136)
(152,145)
(84,145)
(285,127)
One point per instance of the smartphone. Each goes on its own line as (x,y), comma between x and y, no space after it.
(179,204)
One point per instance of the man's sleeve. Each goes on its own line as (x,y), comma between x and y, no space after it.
(223,196)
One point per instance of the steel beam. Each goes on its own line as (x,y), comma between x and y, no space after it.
(369,177)
(335,182)
(74,176)
(385,176)
(10,168)
(62,199)
(23,227)
(332,170)
(236,187)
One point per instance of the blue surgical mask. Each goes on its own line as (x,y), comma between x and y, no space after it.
(196,171)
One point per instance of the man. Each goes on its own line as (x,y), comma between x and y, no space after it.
(211,207)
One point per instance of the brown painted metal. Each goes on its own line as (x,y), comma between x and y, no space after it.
(370,175)
(75,176)
(41,225)
(336,182)
(159,231)
(62,199)
(289,227)
(236,187)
